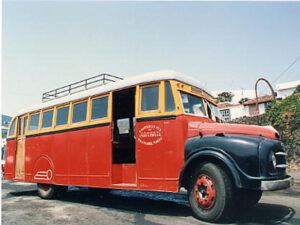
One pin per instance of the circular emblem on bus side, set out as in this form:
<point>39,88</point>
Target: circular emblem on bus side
<point>150,135</point>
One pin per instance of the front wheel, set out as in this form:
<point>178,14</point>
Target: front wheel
<point>210,193</point>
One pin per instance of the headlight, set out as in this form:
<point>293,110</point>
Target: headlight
<point>274,160</point>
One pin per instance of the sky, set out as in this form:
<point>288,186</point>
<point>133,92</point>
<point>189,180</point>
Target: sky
<point>224,45</point>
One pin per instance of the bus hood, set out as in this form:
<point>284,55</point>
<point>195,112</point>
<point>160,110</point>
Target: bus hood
<point>203,129</point>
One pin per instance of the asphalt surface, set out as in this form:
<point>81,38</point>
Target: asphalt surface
<point>21,205</point>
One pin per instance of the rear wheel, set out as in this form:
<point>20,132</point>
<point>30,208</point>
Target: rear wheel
<point>46,191</point>
<point>49,191</point>
<point>210,193</point>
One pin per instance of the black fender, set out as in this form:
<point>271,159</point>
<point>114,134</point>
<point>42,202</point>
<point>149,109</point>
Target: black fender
<point>214,155</point>
<point>245,158</point>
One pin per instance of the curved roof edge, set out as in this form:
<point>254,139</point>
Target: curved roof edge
<point>126,82</point>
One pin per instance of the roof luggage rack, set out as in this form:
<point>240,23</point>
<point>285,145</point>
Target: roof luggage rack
<point>82,85</point>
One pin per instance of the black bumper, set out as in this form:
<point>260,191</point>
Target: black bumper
<point>272,185</point>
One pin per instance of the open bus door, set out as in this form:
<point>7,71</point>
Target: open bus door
<point>124,170</point>
<point>20,149</point>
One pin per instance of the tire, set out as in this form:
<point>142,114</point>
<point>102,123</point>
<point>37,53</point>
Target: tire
<point>46,191</point>
<point>210,193</point>
<point>248,198</point>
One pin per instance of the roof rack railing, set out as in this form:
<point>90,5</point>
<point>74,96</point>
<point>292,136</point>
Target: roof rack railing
<point>82,85</point>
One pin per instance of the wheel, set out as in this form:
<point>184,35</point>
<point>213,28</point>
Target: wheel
<point>210,193</point>
<point>248,198</point>
<point>46,191</point>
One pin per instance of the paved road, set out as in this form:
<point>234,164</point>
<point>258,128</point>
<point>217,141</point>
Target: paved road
<point>21,205</point>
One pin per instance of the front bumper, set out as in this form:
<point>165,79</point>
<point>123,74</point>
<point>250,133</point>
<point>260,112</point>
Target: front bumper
<point>272,185</point>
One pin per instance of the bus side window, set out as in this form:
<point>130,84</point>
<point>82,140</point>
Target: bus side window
<point>99,107</point>
<point>169,98</point>
<point>62,115</point>
<point>79,112</point>
<point>12,128</point>
<point>150,98</point>
<point>47,119</point>
<point>34,121</point>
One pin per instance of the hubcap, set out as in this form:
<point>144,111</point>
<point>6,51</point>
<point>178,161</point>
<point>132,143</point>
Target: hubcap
<point>204,192</point>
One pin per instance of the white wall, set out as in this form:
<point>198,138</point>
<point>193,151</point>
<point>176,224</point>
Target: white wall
<point>286,89</point>
<point>237,111</point>
<point>285,93</point>
<point>261,108</point>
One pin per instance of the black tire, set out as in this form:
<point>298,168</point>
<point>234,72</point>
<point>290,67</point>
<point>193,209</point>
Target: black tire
<point>248,198</point>
<point>46,191</point>
<point>219,185</point>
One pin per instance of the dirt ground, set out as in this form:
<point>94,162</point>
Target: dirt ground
<point>21,205</point>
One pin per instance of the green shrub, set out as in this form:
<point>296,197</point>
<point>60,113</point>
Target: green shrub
<point>284,116</point>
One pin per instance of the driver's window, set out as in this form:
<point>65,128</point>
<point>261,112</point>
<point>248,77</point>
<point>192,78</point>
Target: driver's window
<point>193,104</point>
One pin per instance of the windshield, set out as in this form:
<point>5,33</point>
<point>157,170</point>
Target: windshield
<point>193,104</point>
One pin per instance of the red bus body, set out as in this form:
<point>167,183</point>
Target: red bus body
<point>172,146</point>
<point>83,157</point>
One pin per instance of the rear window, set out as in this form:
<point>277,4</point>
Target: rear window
<point>62,116</point>
<point>150,98</point>
<point>47,119</point>
<point>12,128</point>
<point>99,108</point>
<point>79,112</point>
<point>34,121</point>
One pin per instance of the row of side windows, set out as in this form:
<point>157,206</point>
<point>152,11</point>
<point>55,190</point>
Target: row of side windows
<point>99,110</point>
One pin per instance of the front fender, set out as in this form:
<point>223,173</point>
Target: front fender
<point>245,158</point>
<point>209,155</point>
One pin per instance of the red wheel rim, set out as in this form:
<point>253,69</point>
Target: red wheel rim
<point>204,192</point>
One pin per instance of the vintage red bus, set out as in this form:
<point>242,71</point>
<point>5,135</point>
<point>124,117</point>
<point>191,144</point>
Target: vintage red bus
<point>159,131</point>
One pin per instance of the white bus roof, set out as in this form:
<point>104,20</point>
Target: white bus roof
<point>126,82</point>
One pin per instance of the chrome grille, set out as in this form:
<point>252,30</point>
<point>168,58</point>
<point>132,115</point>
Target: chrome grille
<point>281,160</point>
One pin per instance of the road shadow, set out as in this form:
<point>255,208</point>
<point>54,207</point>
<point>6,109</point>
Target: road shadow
<point>265,213</point>
<point>167,204</point>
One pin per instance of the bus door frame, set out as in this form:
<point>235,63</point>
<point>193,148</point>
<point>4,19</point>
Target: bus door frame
<point>20,147</point>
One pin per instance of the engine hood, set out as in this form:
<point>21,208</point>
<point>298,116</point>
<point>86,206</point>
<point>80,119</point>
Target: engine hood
<point>202,129</point>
